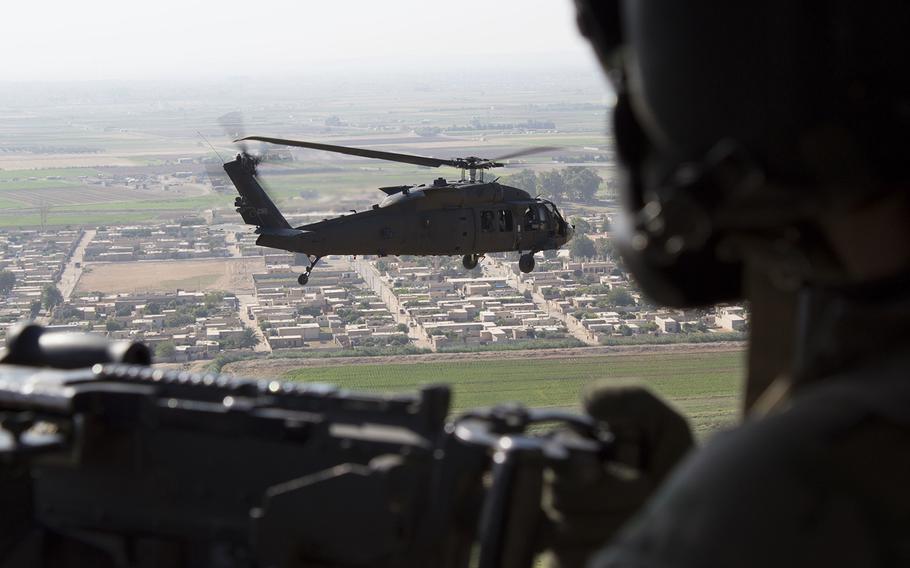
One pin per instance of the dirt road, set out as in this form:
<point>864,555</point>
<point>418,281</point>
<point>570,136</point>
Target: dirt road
<point>262,345</point>
<point>72,272</point>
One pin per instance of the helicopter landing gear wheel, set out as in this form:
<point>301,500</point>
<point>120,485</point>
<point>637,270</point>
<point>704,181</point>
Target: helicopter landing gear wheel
<point>526,262</point>
<point>305,277</point>
<point>470,261</point>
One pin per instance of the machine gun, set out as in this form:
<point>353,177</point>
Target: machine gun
<point>107,461</point>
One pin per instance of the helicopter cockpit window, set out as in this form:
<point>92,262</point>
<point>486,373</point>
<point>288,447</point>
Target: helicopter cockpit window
<point>486,221</point>
<point>505,220</point>
<point>556,219</point>
<point>537,217</point>
<point>551,209</point>
<point>543,216</point>
<point>529,221</point>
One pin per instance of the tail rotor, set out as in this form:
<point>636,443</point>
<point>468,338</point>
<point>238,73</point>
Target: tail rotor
<point>235,128</point>
<point>254,203</point>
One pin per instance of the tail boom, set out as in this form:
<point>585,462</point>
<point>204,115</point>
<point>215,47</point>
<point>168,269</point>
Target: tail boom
<point>253,204</point>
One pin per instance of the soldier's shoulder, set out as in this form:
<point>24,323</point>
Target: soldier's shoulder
<point>783,490</point>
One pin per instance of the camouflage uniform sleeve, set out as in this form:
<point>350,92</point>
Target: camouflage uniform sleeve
<point>767,494</point>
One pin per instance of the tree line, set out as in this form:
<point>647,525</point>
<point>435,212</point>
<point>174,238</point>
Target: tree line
<point>575,183</point>
<point>582,246</point>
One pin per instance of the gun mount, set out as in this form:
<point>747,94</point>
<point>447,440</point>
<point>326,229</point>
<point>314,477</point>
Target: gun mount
<point>126,465</point>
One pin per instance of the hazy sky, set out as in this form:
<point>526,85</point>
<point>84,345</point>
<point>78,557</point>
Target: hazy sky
<point>123,39</point>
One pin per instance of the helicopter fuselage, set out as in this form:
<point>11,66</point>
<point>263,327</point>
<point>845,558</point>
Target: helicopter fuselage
<point>461,218</point>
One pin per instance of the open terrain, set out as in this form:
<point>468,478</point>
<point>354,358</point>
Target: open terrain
<point>231,274</point>
<point>109,153</point>
<point>703,384</point>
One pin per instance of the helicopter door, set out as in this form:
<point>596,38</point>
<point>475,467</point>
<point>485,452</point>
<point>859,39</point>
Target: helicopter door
<point>464,231</point>
<point>497,230</point>
<point>446,231</point>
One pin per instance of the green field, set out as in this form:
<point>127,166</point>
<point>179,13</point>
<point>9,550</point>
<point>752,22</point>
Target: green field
<point>10,220</point>
<point>704,386</point>
<point>175,204</point>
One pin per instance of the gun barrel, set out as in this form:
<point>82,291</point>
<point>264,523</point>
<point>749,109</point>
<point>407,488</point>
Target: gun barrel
<point>32,345</point>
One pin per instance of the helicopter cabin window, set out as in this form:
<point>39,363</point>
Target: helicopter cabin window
<point>505,220</point>
<point>486,221</point>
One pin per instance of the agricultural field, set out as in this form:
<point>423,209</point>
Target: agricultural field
<point>165,276</point>
<point>704,386</point>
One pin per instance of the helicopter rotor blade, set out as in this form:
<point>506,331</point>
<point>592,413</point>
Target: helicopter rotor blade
<point>471,163</point>
<point>527,152</point>
<point>362,152</point>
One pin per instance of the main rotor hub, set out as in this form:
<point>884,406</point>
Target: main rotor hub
<point>472,163</point>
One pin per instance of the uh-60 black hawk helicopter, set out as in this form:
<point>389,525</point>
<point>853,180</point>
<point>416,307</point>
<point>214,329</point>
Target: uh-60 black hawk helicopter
<point>469,217</point>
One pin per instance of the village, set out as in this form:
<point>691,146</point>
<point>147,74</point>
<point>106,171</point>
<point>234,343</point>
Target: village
<point>385,305</point>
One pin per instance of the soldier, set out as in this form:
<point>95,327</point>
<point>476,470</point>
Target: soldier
<point>767,158</point>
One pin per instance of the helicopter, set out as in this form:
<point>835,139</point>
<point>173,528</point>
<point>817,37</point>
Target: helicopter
<point>468,217</point>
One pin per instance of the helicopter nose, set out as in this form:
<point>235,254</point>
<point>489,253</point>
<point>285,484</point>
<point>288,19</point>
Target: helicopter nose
<point>570,232</point>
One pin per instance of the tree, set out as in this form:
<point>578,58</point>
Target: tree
<point>605,248</point>
<point>525,179</point>
<point>648,327</point>
<point>7,281</point>
<point>34,309</point>
<point>309,311</point>
<point>348,315</point>
<point>66,312</point>
<point>550,254</point>
<point>582,227</point>
<point>51,297</point>
<point>178,319</point>
<point>113,325</point>
<point>581,183</point>
<point>247,338</point>
<point>165,349</point>
<point>212,299</point>
<point>582,247</point>
<point>552,184</point>
<point>620,297</point>
<point>403,328</point>
<point>152,308</point>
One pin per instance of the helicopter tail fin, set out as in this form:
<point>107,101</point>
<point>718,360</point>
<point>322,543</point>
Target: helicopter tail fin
<point>253,204</point>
